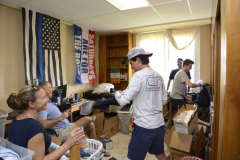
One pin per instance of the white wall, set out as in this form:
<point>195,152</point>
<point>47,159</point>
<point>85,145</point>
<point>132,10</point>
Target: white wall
<point>205,53</point>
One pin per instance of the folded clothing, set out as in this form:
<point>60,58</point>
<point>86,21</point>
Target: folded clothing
<point>8,154</point>
<point>184,117</point>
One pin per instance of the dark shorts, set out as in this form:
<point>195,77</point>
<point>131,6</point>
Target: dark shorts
<point>146,140</point>
<point>177,102</point>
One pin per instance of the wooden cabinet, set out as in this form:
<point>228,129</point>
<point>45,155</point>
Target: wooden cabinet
<point>113,48</point>
<point>225,141</point>
<point>167,113</point>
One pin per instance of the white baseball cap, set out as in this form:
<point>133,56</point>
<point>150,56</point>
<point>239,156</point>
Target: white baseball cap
<point>137,51</point>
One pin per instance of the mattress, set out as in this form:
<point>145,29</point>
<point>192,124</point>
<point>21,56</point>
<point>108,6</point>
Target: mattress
<point>95,96</point>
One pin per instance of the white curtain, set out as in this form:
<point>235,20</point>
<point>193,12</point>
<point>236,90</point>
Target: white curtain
<point>191,52</point>
<point>181,38</point>
<point>155,43</point>
<point>165,55</point>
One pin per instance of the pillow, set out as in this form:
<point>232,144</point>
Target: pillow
<point>103,88</point>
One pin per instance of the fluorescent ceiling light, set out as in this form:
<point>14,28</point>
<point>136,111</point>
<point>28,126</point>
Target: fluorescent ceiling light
<point>128,4</point>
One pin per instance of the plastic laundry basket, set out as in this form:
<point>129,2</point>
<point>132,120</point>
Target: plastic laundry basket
<point>94,147</point>
<point>190,158</point>
<point>3,116</point>
<point>124,119</point>
<point>24,153</point>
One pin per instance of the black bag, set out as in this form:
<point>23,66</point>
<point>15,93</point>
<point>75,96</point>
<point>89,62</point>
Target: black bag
<point>64,106</point>
<point>203,100</point>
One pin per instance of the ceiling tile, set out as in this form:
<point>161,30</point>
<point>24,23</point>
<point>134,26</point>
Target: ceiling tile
<point>201,9</point>
<point>60,8</point>
<point>145,16</point>
<point>22,1</point>
<point>14,2</point>
<point>44,12</point>
<point>154,2</point>
<point>99,15</point>
<point>174,12</point>
<point>90,28</point>
<point>120,20</point>
<point>93,7</point>
<point>95,22</point>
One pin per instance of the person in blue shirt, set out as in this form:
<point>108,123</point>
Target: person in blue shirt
<point>58,121</point>
<point>174,71</point>
<point>27,132</point>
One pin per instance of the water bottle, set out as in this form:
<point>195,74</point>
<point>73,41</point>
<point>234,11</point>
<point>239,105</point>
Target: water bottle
<point>76,97</point>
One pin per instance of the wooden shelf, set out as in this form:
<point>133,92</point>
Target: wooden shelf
<point>168,126</point>
<point>112,49</point>
<point>118,45</point>
<point>167,114</point>
<point>117,57</point>
<point>119,67</point>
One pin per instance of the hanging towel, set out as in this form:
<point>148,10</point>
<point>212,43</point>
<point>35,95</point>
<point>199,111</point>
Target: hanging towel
<point>115,75</point>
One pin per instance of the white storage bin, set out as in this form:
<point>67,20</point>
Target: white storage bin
<point>24,153</point>
<point>86,108</point>
<point>124,118</point>
<point>112,109</point>
<point>3,116</point>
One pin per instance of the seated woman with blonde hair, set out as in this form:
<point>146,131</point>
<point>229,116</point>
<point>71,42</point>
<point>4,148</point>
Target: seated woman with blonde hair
<point>27,132</point>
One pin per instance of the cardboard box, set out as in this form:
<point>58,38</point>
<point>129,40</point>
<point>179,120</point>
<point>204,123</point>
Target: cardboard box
<point>199,145</point>
<point>192,125</point>
<point>187,143</point>
<point>182,142</point>
<point>109,127</point>
<point>112,109</point>
<point>177,155</point>
<point>107,142</point>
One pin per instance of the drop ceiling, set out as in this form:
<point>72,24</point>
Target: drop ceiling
<point>101,16</point>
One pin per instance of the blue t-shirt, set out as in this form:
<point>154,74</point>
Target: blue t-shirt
<point>173,73</point>
<point>21,131</point>
<point>53,112</point>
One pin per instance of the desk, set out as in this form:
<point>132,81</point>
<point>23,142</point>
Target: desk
<point>78,107</point>
<point>75,108</point>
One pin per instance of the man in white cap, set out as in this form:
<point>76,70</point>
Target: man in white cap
<point>148,93</point>
<point>174,71</point>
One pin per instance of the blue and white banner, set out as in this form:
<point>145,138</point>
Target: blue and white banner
<point>84,40</point>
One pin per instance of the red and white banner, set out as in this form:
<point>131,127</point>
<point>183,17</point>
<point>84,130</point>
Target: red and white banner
<point>85,55</point>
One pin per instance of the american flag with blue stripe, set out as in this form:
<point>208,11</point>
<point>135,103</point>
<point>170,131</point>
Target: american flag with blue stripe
<point>42,54</point>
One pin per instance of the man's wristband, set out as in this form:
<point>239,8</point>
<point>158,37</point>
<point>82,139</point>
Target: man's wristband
<point>200,85</point>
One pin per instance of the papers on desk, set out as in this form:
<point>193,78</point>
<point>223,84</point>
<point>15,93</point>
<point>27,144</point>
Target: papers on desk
<point>78,103</point>
<point>75,104</point>
<point>84,100</point>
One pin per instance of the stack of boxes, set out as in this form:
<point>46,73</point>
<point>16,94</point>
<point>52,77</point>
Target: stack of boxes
<point>187,140</point>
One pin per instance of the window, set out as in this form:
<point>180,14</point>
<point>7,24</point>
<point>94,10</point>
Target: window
<point>174,54</point>
<point>165,56</point>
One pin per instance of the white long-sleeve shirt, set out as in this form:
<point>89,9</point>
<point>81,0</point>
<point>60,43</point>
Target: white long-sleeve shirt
<point>148,93</point>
